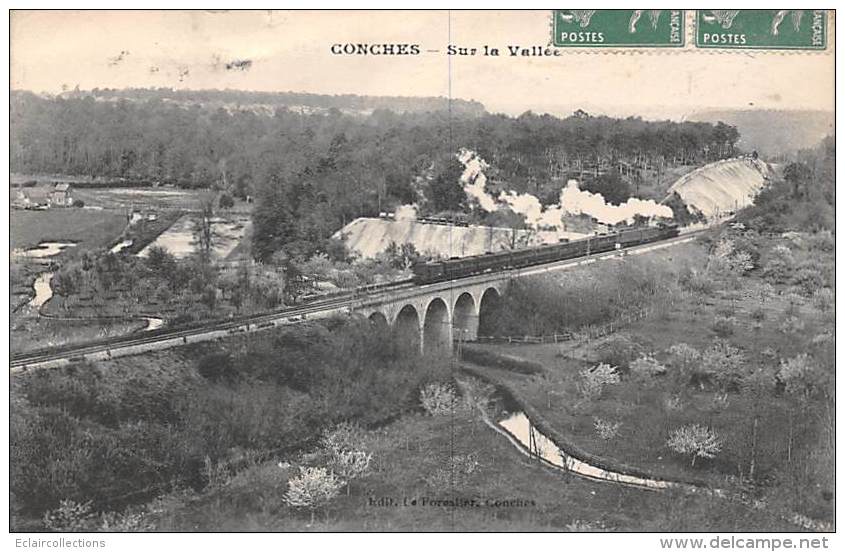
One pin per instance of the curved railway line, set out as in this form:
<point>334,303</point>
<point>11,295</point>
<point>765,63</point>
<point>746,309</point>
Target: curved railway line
<point>165,338</point>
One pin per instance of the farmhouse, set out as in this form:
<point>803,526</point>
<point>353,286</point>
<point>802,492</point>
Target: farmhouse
<point>61,195</point>
<point>33,198</point>
<point>43,198</point>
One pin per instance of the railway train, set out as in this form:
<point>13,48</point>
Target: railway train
<point>439,271</point>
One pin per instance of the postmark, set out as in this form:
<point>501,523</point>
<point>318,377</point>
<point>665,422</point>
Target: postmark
<point>762,29</point>
<point>618,28</point>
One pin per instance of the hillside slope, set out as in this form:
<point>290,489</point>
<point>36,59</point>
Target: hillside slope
<point>724,186</point>
<point>370,236</point>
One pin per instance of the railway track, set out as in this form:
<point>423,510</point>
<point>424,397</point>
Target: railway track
<point>319,308</point>
<point>165,338</point>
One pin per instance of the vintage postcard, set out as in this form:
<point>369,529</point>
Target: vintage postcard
<point>422,271</point>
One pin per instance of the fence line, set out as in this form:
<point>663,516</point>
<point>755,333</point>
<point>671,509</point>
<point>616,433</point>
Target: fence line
<point>584,334</point>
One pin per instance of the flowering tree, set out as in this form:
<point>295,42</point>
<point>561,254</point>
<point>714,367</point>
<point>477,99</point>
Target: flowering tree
<point>646,368</point>
<point>351,464</point>
<point>695,440</point>
<point>344,436</point>
<point>313,488</point>
<point>606,429</point>
<point>594,380</point>
<point>801,376</point>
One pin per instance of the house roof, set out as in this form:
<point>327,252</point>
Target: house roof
<point>62,187</point>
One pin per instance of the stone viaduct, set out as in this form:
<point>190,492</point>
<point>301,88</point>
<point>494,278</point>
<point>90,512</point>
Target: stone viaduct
<point>432,317</point>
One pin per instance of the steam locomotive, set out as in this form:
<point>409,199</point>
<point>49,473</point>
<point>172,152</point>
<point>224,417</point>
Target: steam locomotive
<point>438,271</point>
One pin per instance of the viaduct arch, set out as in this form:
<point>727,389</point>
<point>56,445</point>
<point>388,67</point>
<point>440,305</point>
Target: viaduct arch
<point>432,321</point>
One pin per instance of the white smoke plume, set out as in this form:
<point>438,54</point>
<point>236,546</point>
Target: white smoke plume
<point>474,180</point>
<point>577,201</point>
<point>573,200</point>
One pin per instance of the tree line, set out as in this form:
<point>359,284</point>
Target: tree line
<point>313,171</point>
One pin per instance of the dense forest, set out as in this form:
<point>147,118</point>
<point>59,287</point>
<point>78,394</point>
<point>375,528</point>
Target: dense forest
<point>246,98</point>
<point>312,171</point>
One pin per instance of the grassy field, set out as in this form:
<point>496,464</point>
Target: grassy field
<point>88,228</point>
<point>505,491</point>
<point>788,447</point>
<point>33,332</point>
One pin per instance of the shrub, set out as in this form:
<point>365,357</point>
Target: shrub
<point>808,278</point>
<point>801,376</point>
<point>697,282</point>
<point>821,241</point>
<point>125,522</point>
<point>720,402</point>
<point>780,266</point>
<point>438,399</point>
<point>722,363</point>
<point>70,516</point>
<point>593,380</point>
<point>824,299</point>
<point>345,436</point>
<point>684,357</point>
<point>619,350</point>
<point>350,464</point>
<point>723,326</point>
<point>226,201</point>
<point>646,368</point>
<point>695,440</point>
<point>792,325</point>
<point>605,429</point>
<point>674,403</point>
<point>758,314</point>
<point>313,488</point>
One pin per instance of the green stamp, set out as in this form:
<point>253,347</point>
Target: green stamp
<point>762,29</point>
<point>617,28</point>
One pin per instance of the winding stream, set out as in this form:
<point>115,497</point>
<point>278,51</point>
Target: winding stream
<point>43,291</point>
<point>519,430</point>
<point>536,444</point>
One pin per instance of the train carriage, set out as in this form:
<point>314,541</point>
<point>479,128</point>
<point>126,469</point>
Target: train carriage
<point>452,269</point>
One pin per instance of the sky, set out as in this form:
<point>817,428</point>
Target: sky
<point>290,51</point>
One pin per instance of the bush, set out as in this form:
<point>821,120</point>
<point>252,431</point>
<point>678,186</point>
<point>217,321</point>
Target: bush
<point>824,299</point>
<point>801,376</point>
<point>593,380</point>
<point>684,358</point>
<point>808,278</point>
<point>721,363</point>
<point>781,265</point>
<point>723,326</point>
<point>821,241</point>
<point>646,368</point>
<point>606,430</point>
<point>791,325</point>
<point>438,399</point>
<point>619,350</point>
<point>697,282</point>
<point>350,464</point>
<point>344,436</point>
<point>226,201</point>
<point>696,441</point>
<point>313,488</point>
<point>69,517</point>
<point>674,403</point>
